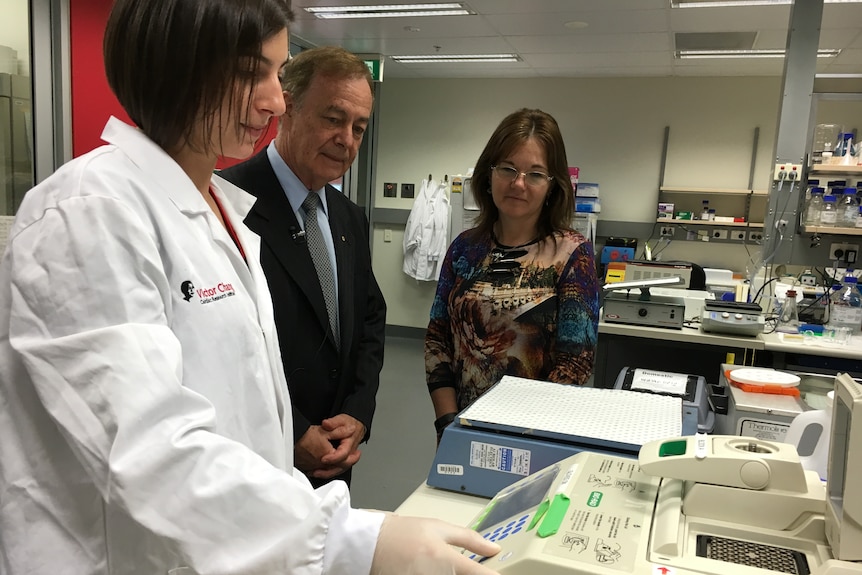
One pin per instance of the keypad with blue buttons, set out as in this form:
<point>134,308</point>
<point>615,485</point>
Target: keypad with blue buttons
<point>502,532</point>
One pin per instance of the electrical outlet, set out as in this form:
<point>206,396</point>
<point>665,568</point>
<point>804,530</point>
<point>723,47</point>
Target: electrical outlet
<point>738,235</point>
<point>843,252</point>
<point>666,231</point>
<point>718,234</point>
<point>387,235</point>
<point>755,236</point>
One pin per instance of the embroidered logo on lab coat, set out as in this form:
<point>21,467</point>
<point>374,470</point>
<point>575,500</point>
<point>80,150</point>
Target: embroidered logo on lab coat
<point>188,290</point>
<point>215,293</point>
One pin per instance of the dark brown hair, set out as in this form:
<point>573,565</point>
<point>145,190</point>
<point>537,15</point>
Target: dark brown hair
<point>330,61</point>
<point>171,63</point>
<point>514,130</point>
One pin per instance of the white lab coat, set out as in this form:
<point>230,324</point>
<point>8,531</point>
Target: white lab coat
<point>426,236</point>
<point>143,432</point>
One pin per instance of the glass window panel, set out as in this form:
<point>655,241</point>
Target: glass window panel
<point>16,117</point>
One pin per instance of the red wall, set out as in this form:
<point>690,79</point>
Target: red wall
<point>92,99</point>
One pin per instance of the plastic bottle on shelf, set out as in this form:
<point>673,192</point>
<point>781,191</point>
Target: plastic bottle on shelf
<point>829,212</point>
<point>825,141</point>
<point>811,432</point>
<point>808,187</point>
<point>846,304</point>
<point>704,212</point>
<point>849,208</point>
<point>711,214</point>
<point>846,152</point>
<point>814,207</point>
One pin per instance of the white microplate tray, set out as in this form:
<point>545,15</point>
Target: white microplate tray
<point>620,417</point>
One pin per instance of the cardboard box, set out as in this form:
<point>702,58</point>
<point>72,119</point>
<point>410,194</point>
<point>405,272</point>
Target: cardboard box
<point>588,190</point>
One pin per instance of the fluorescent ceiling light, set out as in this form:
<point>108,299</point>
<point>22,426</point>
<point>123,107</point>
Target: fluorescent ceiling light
<point>390,10</point>
<point>732,3</point>
<point>450,58</point>
<point>687,54</point>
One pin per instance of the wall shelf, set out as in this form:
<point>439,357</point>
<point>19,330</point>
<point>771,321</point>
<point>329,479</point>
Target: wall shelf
<point>717,191</point>
<point>832,230</point>
<point>714,224</point>
<point>725,201</point>
<point>835,169</point>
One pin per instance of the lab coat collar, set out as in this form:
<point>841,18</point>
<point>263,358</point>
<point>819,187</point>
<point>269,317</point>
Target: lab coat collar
<point>156,163</point>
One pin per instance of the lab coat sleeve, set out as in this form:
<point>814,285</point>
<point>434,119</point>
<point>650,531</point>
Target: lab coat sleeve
<point>89,317</point>
<point>577,325</point>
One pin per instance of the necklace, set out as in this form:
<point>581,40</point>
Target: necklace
<point>503,246</point>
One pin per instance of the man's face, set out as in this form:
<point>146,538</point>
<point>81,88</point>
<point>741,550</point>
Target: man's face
<point>320,136</point>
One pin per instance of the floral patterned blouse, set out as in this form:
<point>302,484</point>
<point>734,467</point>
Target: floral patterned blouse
<point>529,311</point>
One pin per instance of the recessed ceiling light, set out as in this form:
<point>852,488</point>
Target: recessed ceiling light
<point>390,10</point>
<point>734,3</point>
<point>716,54</point>
<point>576,25</point>
<point>456,58</point>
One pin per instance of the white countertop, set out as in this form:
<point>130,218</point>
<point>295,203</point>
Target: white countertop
<point>457,508</point>
<point>764,341</point>
<point>775,342</point>
<point>687,334</point>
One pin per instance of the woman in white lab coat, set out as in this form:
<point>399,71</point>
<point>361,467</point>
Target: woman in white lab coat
<point>144,419</point>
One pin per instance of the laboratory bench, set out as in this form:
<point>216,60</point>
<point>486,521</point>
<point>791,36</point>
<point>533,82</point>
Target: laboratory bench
<point>457,508</point>
<point>689,350</point>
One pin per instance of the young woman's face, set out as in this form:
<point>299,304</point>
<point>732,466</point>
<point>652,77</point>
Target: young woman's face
<point>260,99</point>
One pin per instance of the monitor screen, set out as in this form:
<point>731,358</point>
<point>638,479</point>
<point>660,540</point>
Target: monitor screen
<point>525,496</point>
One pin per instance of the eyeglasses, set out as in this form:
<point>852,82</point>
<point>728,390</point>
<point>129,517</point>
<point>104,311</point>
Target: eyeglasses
<point>532,179</point>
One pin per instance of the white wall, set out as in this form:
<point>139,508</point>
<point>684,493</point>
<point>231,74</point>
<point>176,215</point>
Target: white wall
<point>15,31</point>
<point>613,130</point>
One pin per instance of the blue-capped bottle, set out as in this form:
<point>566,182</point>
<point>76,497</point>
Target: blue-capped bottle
<point>829,213</point>
<point>846,304</point>
<point>814,206</point>
<point>849,208</point>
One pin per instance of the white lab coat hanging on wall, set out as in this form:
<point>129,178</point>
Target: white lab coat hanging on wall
<point>426,236</point>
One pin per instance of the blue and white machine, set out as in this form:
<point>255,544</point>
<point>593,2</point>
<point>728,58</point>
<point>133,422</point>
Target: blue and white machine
<point>520,426</point>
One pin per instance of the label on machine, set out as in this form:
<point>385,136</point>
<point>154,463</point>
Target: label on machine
<point>499,458</point>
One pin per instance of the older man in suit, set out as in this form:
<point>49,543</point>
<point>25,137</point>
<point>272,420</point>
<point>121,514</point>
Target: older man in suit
<point>329,310</point>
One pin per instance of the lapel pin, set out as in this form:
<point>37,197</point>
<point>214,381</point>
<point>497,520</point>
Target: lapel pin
<point>343,239</point>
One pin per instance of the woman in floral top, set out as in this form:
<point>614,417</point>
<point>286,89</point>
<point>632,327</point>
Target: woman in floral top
<point>518,293</point>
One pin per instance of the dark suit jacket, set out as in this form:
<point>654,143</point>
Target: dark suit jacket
<point>322,380</point>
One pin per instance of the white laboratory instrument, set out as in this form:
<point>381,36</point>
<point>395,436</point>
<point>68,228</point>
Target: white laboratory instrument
<point>733,318</point>
<point>647,309</point>
<point>765,416</point>
<point>702,505</point>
